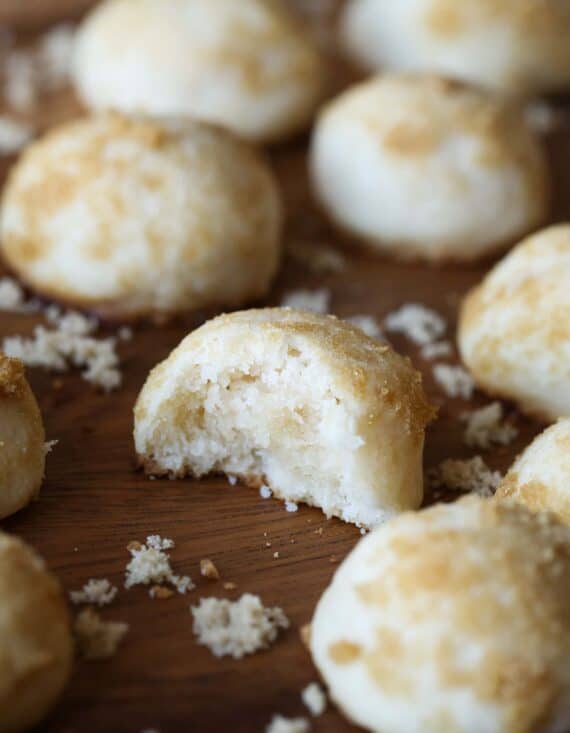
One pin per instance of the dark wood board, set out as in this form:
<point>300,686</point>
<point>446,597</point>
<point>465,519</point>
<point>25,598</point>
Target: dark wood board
<point>93,501</point>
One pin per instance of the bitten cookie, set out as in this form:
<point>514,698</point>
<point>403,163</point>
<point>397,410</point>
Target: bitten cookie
<point>515,46</point>
<point>514,329</point>
<point>244,64</point>
<point>540,477</point>
<point>455,618</point>
<point>137,218</point>
<point>22,439</point>
<point>305,403</point>
<point>420,167</point>
<point>36,648</point>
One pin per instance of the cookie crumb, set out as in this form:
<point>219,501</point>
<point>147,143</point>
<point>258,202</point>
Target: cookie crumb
<point>314,698</point>
<point>279,724</point>
<point>454,380</point>
<point>485,427</point>
<point>208,569</point>
<point>98,639</point>
<point>97,591</point>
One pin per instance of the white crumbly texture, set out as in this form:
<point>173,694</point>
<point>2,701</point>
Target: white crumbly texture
<point>71,344</point>
<point>437,350</point>
<point>368,324</point>
<point>97,639</point>
<point>150,563</point>
<point>280,724</point>
<point>13,135</point>
<point>514,330</point>
<point>486,427</point>
<point>454,380</point>
<point>421,325</point>
<point>236,628</point>
<point>291,506</point>
<point>315,301</point>
<point>420,168</point>
<point>13,298</point>
<point>262,395</point>
<point>314,698</point>
<point>144,217</point>
<point>248,65</point>
<point>540,477</point>
<point>97,591</point>
<point>470,476</point>
<point>427,614</point>
<point>265,492</point>
<point>512,46</point>
<point>31,73</point>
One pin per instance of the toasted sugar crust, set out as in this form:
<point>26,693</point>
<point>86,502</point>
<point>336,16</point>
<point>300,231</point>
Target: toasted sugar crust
<point>113,170</point>
<point>435,564</point>
<point>370,368</point>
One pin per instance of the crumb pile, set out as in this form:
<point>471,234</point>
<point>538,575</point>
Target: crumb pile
<point>470,476</point>
<point>237,628</point>
<point>98,639</point>
<point>486,427</point>
<point>151,564</point>
<point>70,343</point>
<point>97,591</point>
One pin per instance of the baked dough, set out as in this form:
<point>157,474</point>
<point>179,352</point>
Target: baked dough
<point>455,619</point>
<point>305,403</point>
<point>540,477</point>
<point>36,648</point>
<point>135,218</point>
<point>425,168</point>
<point>22,439</point>
<point>244,64</point>
<point>514,330</point>
<point>515,46</point>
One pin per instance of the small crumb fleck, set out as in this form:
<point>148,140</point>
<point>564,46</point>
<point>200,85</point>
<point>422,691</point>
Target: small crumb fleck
<point>314,698</point>
<point>97,639</point>
<point>232,480</point>
<point>265,492</point>
<point>315,301</point>
<point>279,724</point>
<point>229,585</point>
<point>367,324</point>
<point>454,380</point>
<point>437,350</point>
<point>276,555</point>
<point>291,506</point>
<point>161,592</point>
<point>99,592</point>
<point>208,569</point>
<point>418,323</point>
<point>305,634</point>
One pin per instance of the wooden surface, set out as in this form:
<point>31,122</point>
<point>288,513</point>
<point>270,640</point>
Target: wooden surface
<point>93,502</point>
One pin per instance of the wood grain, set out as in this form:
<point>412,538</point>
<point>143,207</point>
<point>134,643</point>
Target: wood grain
<point>93,501</point>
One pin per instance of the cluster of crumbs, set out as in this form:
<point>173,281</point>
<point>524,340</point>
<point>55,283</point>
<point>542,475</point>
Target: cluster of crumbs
<point>314,698</point>
<point>469,476</point>
<point>97,639</point>
<point>70,343</point>
<point>419,324</point>
<point>320,260</point>
<point>33,72</point>
<point>236,628</point>
<point>97,591</point>
<point>150,564</point>
<point>279,724</point>
<point>14,135</point>
<point>454,380</point>
<point>486,427</point>
<point>315,301</point>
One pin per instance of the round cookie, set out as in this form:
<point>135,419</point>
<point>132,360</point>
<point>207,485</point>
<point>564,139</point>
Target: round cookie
<point>515,46</point>
<point>22,439</point>
<point>514,329</point>
<point>306,404</point>
<point>540,477</point>
<point>455,618</point>
<point>36,647</point>
<point>135,218</point>
<point>420,167</point>
<point>244,64</point>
